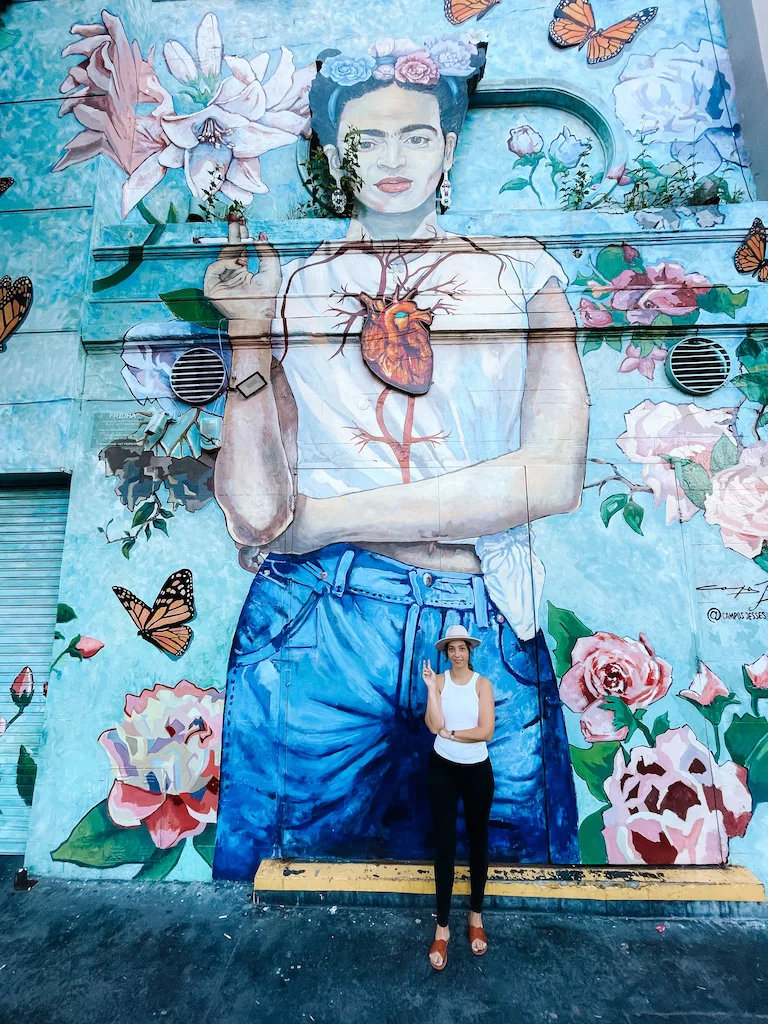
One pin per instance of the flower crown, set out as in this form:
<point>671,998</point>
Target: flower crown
<point>401,60</point>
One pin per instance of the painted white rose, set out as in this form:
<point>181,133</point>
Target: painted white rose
<point>678,93</point>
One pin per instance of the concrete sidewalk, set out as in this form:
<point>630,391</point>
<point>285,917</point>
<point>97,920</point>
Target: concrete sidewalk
<point>135,953</point>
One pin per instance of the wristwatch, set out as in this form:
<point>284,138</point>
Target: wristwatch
<point>453,734</point>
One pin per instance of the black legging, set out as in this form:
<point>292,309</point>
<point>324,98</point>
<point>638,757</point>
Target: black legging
<point>447,781</point>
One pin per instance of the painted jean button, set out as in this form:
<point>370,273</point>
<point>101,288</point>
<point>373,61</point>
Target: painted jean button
<point>323,575</point>
<point>499,617</point>
<point>427,577</point>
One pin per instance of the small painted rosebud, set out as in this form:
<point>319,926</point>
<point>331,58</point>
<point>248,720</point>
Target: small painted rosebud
<point>88,646</point>
<point>23,687</point>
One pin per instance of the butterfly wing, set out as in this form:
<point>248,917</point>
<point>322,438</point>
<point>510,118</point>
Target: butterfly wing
<point>175,603</point>
<point>5,184</point>
<point>173,640</point>
<point>611,41</point>
<point>135,607</point>
<point>572,24</point>
<point>15,302</point>
<point>458,11</point>
<point>750,255</point>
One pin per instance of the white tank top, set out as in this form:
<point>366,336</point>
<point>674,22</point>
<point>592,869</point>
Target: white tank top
<point>461,710</point>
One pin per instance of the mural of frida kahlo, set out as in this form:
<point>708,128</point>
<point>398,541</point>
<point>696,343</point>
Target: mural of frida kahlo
<point>425,404</point>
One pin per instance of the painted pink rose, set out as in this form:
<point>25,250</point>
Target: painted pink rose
<point>593,315</point>
<point>644,364</point>
<point>685,431</point>
<point>24,683</point>
<point>384,72</point>
<point>597,724</point>
<point>738,503</point>
<point>417,69</point>
<point>758,672</point>
<point>88,646</point>
<point>604,665</point>
<point>673,804</point>
<point>663,288</point>
<point>705,687</point>
<point>166,754</point>
<point>524,141</point>
<point>618,175</point>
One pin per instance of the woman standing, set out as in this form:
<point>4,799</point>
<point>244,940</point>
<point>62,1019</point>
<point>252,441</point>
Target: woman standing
<point>460,713</point>
<point>379,505</point>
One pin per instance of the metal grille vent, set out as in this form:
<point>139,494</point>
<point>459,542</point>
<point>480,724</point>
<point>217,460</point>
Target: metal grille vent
<point>698,366</point>
<point>198,376</point>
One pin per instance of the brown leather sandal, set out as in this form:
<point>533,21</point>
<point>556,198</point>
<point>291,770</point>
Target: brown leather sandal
<point>477,933</point>
<point>439,946</point>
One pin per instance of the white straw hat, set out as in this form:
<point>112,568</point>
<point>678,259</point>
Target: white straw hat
<point>456,633</point>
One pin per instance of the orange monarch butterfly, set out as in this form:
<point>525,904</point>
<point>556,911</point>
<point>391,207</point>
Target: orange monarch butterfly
<point>574,25</point>
<point>750,256</point>
<point>162,624</point>
<point>5,184</point>
<point>457,11</point>
<point>15,302</point>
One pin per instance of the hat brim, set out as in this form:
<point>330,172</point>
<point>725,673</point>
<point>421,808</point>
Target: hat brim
<point>443,642</point>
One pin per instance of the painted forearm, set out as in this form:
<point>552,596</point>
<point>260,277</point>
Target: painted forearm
<point>252,480</point>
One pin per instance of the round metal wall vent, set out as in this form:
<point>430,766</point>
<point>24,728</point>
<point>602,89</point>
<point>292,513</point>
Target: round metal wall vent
<point>698,366</point>
<point>198,376</point>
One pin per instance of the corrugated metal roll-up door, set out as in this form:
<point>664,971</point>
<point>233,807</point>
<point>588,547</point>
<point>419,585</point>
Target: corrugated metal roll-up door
<point>32,526</point>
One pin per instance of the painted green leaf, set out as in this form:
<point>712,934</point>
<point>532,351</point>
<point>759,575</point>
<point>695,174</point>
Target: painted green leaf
<point>662,320</point>
<point>591,842</point>
<point>623,717</point>
<point>64,613</point>
<point>611,506</point>
<point>191,305</point>
<point>611,262</point>
<point>720,299</point>
<point>591,346</point>
<point>614,343</point>
<point>594,764</point>
<point>513,185</point>
<point>26,775</point>
<point>565,629</point>
<point>160,864</point>
<point>142,513</point>
<point>714,712</point>
<point>763,419</point>
<point>743,735</point>
<point>126,547</point>
<point>645,344</point>
<point>724,455</point>
<point>205,843</point>
<point>693,479</point>
<point>166,514</point>
<point>633,516</point>
<point>754,385</point>
<point>660,725</point>
<point>752,353</point>
<point>97,842</point>
<point>58,636</point>
<point>160,524</point>
<point>762,558</point>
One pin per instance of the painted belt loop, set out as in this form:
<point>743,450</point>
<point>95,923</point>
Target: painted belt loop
<point>342,571</point>
<point>409,644</point>
<point>415,580</point>
<point>481,602</point>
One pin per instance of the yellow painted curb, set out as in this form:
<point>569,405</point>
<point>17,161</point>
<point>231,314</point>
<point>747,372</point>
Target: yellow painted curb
<point>541,882</point>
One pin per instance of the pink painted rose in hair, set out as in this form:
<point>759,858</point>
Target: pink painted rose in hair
<point>417,69</point>
<point>685,431</point>
<point>663,288</point>
<point>166,755</point>
<point>758,673</point>
<point>738,503</point>
<point>605,665</point>
<point>673,804</point>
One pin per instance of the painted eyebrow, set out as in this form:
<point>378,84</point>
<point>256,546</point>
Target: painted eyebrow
<point>418,127</point>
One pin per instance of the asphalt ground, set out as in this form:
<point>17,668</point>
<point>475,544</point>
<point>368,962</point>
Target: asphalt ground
<point>135,953</point>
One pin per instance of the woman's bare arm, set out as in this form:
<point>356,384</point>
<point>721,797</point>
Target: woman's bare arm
<point>544,476</point>
<point>252,479</point>
<point>434,717</point>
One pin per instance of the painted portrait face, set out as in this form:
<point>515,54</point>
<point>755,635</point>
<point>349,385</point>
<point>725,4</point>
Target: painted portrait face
<point>403,152</point>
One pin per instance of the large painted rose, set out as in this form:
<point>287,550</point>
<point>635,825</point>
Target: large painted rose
<point>604,665</point>
<point>662,288</point>
<point>738,503</point>
<point>677,93</point>
<point>105,89</point>
<point>166,755</point>
<point>248,116</point>
<point>673,804</point>
<point>683,431</point>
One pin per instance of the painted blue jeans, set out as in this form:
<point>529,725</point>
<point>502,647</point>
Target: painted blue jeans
<point>325,748</point>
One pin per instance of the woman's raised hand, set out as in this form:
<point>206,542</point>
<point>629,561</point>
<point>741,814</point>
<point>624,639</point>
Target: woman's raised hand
<point>238,293</point>
<point>427,674</point>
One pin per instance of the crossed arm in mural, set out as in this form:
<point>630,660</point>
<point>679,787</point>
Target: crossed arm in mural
<point>254,478</point>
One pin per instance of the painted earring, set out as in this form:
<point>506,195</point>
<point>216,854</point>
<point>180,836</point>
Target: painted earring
<point>445,193</point>
<point>339,200</point>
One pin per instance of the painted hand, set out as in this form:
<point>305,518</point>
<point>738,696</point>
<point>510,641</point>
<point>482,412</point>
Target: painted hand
<point>427,674</point>
<point>238,293</point>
